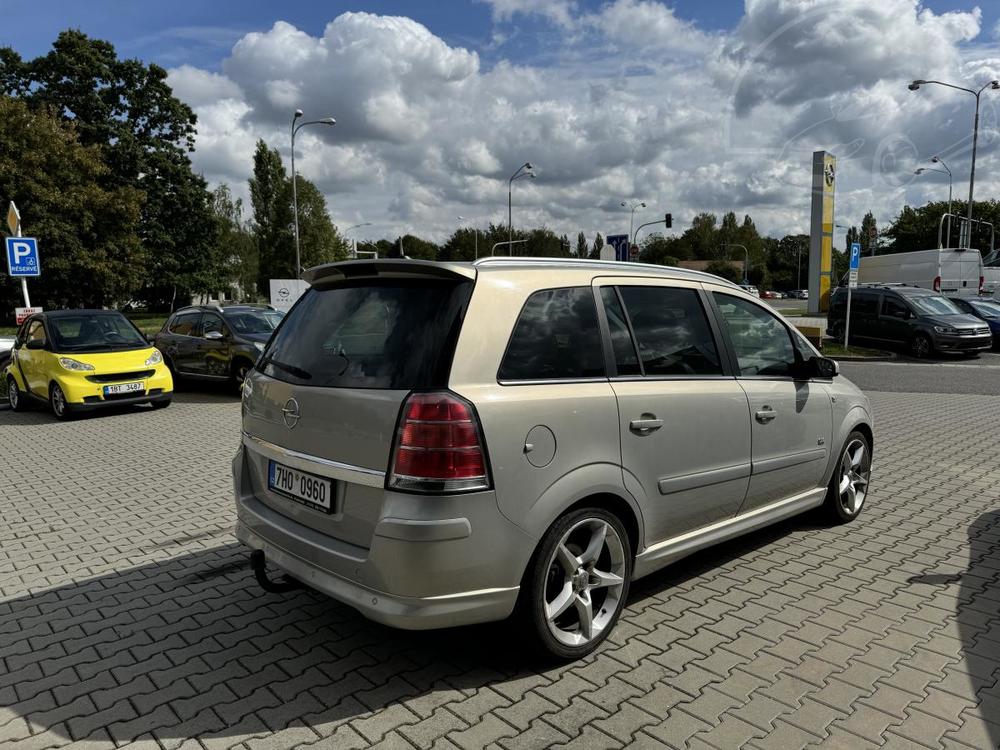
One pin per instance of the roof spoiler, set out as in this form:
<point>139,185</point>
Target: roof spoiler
<point>389,268</point>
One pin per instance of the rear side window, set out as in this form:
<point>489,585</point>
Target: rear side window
<point>671,330</point>
<point>185,324</point>
<point>389,334</point>
<point>556,337</point>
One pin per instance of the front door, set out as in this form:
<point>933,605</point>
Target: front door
<point>684,421</point>
<point>181,341</point>
<point>32,361</point>
<point>213,345</point>
<point>792,419</point>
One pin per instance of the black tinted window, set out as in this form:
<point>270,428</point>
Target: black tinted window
<point>762,343</point>
<point>893,308</point>
<point>211,323</point>
<point>864,304</point>
<point>556,336</point>
<point>621,340</point>
<point>185,324</point>
<point>671,330</point>
<point>389,334</point>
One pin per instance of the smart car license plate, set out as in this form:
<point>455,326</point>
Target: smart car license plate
<point>310,489</point>
<point>119,388</point>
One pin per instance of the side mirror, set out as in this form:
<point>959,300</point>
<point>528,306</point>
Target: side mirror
<point>214,336</point>
<point>35,344</point>
<point>822,367</point>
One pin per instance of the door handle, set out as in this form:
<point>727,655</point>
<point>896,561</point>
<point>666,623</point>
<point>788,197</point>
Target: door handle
<point>645,425</point>
<point>766,414</point>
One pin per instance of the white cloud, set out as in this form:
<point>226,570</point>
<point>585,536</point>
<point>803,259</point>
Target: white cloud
<point>635,102</point>
<point>560,12</point>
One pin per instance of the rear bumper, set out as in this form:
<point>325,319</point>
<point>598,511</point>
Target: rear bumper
<point>432,562</point>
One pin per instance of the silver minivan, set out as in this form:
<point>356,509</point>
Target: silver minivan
<point>437,444</point>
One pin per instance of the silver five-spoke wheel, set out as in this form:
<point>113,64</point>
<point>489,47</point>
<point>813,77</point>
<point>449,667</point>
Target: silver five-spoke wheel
<point>585,582</point>
<point>855,473</point>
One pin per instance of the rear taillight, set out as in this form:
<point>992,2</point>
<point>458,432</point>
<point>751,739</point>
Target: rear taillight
<point>937,283</point>
<point>439,446</point>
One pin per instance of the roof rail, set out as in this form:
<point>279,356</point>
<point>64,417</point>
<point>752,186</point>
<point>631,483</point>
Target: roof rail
<point>609,264</point>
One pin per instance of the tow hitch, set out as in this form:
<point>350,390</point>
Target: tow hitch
<point>258,564</point>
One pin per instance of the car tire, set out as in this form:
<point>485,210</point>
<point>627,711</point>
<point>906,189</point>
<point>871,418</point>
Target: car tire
<point>836,332</point>
<point>577,583</point>
<point>848,490</point>
<point>57,403</point>
<point>921,346</point>
<point>241,368</point>
<point>18,401</point>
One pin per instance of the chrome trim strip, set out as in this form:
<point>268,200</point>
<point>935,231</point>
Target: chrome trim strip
<point>335,469</point>
<point>683,482</point>
<point>469,594</point>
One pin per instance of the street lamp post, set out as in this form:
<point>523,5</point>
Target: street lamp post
<point>295,192</point>
<point>525,170</point>
<point>633,206</point>
<point>995,85</point>
<point>947,171</point>
<point>355,226</point>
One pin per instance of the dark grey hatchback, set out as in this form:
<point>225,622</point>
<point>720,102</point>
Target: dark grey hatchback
<point>920,319</point>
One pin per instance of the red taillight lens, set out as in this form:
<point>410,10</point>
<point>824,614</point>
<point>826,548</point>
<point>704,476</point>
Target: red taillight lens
<point>937,283</point>
<point>438,446</point>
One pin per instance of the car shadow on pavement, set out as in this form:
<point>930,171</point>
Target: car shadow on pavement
<point>978,616</point>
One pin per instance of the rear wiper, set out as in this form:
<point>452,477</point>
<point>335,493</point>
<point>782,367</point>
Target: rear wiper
<point>290,369</point>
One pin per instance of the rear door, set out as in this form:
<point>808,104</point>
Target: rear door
<point>961,271</point>
<point>791,418</point>
<point>179,342</point>
<point>326,394</point>
<point>684,420</point>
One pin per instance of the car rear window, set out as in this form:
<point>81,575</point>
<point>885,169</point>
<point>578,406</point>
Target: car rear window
<point>556,337</point>
<point>388,334</point>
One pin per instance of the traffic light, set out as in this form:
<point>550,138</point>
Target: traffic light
<point>668,220</point>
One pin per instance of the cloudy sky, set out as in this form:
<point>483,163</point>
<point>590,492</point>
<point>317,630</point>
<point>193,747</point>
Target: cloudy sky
<point>693,105</point>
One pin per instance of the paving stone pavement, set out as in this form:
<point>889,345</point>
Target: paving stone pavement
<point>128,616</point>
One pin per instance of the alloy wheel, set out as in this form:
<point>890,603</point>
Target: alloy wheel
<point>585,582</point>
<point>58,402</point>
<point>855,474</point>
<point>921,346</point>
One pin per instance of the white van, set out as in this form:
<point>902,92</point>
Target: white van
<point>949,271</point>
<point>991,273</point>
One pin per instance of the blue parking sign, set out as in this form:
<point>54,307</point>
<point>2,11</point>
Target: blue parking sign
<point>855,255</point>
<point>22,257</point>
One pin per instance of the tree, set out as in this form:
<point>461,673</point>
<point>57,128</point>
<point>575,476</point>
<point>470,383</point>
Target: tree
<point>319,240</point>
<point>595,251</point>
<point>236,243</point>
<point>917,228</point>
<point>270,201</point>
<point>88,232</point>
<point>726,270</point>
<point>868,228</point>
<point>851,236</point>
<point>127,109</point>
<point>788,261</point>
<point>582,250</point>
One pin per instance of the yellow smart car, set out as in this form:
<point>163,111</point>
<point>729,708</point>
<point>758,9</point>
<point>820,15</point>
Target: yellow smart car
<point>81,360</point>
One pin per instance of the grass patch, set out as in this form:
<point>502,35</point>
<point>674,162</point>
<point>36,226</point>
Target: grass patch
<point>834,349</point>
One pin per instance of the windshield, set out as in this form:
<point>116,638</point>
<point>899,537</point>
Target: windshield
<point>391,334</point>
<point>934,305</point>
<point>986,309</point>
<point>252,321</point>
<point>94,332</point>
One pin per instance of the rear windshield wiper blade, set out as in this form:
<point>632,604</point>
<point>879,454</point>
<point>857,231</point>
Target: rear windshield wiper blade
<point>290,369</point>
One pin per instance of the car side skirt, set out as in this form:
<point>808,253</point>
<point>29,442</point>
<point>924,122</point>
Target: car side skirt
<point>663,553</point>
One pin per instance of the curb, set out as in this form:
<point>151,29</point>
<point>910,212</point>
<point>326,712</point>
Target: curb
<point>888,357</point>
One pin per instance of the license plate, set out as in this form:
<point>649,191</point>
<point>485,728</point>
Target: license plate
<point>118,388</point>
<point>314,491</point>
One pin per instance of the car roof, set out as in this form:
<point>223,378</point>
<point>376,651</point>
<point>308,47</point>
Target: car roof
<point>573,268</point>
<point>81,311</point>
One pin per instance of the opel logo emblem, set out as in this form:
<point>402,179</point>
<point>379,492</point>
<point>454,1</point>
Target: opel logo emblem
<point>290,413</point>
<point>830,173</point>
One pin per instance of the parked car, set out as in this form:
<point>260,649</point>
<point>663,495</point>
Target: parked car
<point>917,318</point>
<point>986,310</point>
<point>208,342</point>
<point>750,289</point>
<point>768,294</point>
<point>81,360</point>
<point>437,444</point>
